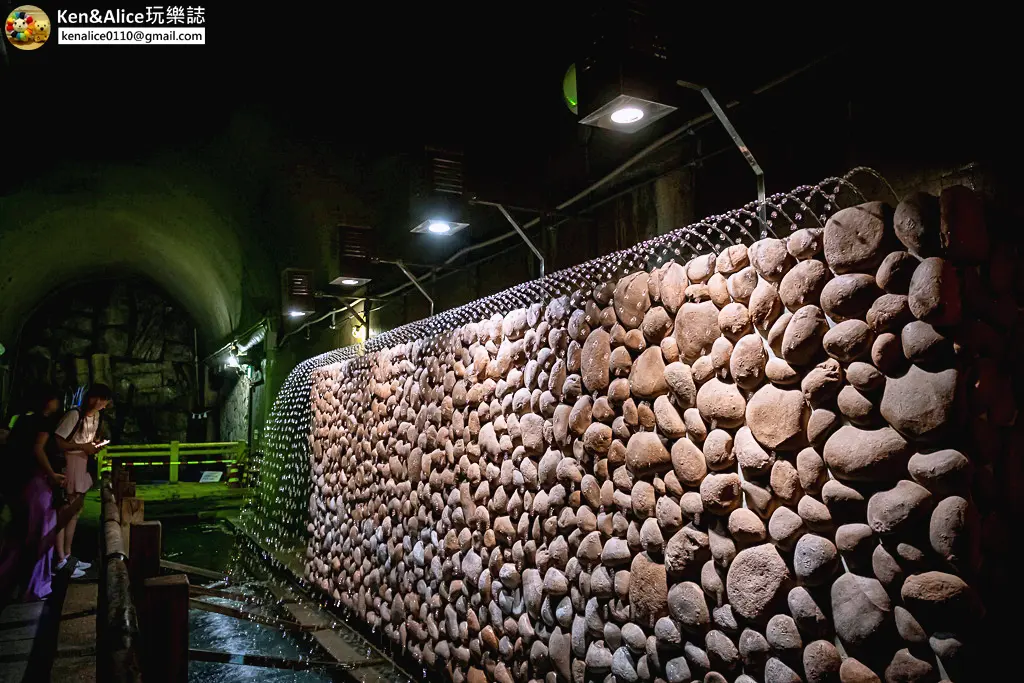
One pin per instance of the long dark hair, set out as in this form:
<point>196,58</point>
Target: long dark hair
<point>100,391</point>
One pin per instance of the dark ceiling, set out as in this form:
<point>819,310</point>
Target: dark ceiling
<point>384,81</point>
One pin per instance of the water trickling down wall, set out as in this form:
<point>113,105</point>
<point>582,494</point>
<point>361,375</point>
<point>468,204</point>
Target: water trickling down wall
<point>777,462</point>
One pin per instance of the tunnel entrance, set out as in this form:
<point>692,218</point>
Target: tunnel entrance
<point>124,332</point>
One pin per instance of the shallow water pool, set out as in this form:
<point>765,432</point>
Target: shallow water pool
<point>213,546</point>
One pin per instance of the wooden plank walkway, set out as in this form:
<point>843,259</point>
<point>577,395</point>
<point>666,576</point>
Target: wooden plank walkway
<point>29,632</point>
<point>54,638</point>
<point>76,642</point>
<point>19,625</point>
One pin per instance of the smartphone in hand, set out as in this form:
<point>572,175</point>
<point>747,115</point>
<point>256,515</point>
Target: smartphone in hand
<point>101,444</point>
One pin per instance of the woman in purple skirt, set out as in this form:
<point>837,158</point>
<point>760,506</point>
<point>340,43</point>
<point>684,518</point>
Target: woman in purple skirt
<point>27,555</point>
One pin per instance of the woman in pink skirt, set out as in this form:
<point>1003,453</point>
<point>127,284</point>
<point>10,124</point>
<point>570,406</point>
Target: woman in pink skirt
<point>27,556</point>
<point>77,436</point>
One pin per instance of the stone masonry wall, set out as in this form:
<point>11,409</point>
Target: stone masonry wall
<point>792,462</point>
<point>124,333</point>
<point>234,412</point>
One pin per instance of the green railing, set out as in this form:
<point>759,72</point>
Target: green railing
<point>171,455</point>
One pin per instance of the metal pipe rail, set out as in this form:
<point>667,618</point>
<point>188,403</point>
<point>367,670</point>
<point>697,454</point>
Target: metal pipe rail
<point>171,455</point>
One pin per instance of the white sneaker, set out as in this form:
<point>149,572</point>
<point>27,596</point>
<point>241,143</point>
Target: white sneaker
<point>60,565</point>
<point>84,565</point>
<point>77,574</point>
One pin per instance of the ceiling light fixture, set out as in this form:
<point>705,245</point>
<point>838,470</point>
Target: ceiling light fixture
<point>626,64</point>
<point>627,115</point>
<point>232,360</point>
<point>350,281</point>
<point>296,314</point>
<point>435,226</point>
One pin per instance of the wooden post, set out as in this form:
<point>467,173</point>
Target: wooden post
<point>132,512</point>
<point>125,489</point>
<point>174,462</point>
<point>163,624</point>
<point>121,484</point>
<point>144,561</point>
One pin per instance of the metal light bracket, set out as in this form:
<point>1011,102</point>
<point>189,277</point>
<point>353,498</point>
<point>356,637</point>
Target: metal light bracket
<point>351,310</point>
<point>412,278</point>
<point>734,134</point>
<point>529,243</point>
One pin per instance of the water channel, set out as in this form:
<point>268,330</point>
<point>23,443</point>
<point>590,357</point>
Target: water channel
<point>218,546</point>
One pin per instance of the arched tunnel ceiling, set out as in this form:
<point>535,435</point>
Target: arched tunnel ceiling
<point>91,223</point>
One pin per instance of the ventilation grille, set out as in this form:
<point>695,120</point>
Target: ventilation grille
<point>300,283</point>
<point>352,242</point>
<point>445,171</point>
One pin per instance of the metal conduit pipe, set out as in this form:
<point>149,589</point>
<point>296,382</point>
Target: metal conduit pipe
<point>252,336</point>
<point>306,324</point>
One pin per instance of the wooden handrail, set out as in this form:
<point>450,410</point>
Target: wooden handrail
<point>189,569</point>
<point>117,627</point>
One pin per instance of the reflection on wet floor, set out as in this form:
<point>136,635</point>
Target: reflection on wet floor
<point>213,546</point>
<point>212,631</point>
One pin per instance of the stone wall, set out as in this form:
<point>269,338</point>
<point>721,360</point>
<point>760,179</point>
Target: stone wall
<point>124,333</point>
<point>790,462</point>
<point>234,412</point>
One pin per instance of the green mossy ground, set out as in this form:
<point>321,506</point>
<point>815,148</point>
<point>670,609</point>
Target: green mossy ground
<point>181,500</point>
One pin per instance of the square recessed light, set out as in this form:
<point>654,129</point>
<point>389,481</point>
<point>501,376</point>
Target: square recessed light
<point>346,281</point>
<point>439,227</point>
<point>627,114</point>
